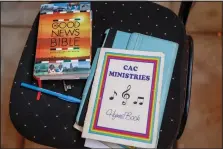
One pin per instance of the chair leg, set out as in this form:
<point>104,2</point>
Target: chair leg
<point>188,89</point>
<point>174,146</point>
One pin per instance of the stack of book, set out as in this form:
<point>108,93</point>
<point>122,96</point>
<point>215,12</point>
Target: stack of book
<point>114,111</point>
<point>63,49</point>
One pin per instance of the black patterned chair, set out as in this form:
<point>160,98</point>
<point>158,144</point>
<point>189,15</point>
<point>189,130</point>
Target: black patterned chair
<point>49,121</point>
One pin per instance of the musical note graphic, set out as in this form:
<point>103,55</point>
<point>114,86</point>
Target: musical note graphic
<point>126,95</point>
<point>112,97</point>
<point>140,100</point>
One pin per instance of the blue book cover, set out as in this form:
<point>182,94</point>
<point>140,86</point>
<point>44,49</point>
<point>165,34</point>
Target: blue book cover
<point>153,44</point>
<point>135,41</point>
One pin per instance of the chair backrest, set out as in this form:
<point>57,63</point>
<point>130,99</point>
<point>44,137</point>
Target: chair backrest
<point>184,11</point>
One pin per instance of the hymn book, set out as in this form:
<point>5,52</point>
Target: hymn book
<point>125,98</point>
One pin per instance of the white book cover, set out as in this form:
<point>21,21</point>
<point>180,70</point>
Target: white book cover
<point>125,98</point>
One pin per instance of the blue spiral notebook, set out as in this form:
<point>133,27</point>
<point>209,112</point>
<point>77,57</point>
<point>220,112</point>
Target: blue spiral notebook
<point>133,41</point>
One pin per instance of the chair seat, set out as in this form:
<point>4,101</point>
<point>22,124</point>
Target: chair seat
<point>49,121</point>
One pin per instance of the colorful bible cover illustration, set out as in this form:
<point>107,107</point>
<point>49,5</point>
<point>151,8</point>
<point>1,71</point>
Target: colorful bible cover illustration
<point>125,98</point>
<point>64,39</point>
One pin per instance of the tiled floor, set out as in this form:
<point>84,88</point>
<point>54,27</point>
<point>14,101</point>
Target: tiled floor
<point>17,13</point>
<point>13,41</point>
<point>204,126</point>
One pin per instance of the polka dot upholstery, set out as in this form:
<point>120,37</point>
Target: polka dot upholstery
<point>49,121</point>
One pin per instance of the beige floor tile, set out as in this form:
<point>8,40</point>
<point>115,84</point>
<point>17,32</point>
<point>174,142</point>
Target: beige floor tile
<point>205,17</point>
<point>204,125</point>
<point>10,138</point>
<point>175,7</point>
<point>19,13</point>
<point>11,49</point>
<point>12,46</point>
<point>165,4</point>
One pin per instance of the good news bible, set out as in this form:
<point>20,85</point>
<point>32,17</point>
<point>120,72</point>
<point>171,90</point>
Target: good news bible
<point>63,49</point>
